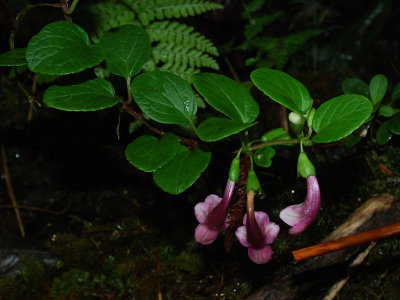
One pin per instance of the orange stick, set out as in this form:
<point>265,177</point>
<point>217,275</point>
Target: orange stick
<point>348,241</point>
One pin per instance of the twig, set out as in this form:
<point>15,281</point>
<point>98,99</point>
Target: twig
<point>31,98</point>
<point>11,192</point>
<point>191,143</point>
<point>283,115</point>
<point>231,69</point>
<point>21,15</point>
<point>69,10</point>
<point>348,241</point>
<point>335,289</point>
<point>33,208</point>
<point>158,269</point>
<point>137,116</point>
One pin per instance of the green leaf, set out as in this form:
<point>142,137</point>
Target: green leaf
<point>62,48</point>
<point>355,86</point>
<point>164,97</point>
<point>263,157</point>
<point>394,124</point>
<point>215,129</point>
<point>227,96</point>
<point>352,140</point>
<point>383,135</point>
<point>396,92</point>
<point>282,88</point>
<point>182,171</point>
<point>14,57</point>
<point>386,111</point>
<point>340,116</point>
<point>377,88</point>
<point>126,50</point>
<point>275,134</point>
<point>91,95</point>
<point>148,153</point>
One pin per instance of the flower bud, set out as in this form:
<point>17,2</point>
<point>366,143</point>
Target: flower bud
<point>234,170</point>
<point>296,121</point>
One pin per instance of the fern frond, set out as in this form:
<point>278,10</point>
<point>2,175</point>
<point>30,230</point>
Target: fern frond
<point>178,55</point>
<point>148,10</point>
<point>257,25</point>
<point>253,5</point>
<point>179,48</point>
<point>109,15</point>
<point>183,72</point>
<point>279,50</point>
<point>180,34</point>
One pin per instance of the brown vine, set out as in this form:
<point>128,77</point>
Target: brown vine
<point>239,207</point>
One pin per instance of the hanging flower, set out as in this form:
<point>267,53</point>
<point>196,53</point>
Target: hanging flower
<point>213,212</point>
<point>257,233</point>
<point>300,216</point>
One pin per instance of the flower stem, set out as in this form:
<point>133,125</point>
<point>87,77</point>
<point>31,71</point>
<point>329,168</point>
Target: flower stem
<point>273,143</point>
<point>128,89</point>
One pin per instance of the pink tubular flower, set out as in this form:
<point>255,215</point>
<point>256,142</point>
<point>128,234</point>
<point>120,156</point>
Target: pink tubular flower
<point>257,233</point>
<point>212,215</point>
<point>300,216</point>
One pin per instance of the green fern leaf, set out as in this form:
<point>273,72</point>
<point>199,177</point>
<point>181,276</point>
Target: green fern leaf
<point>181,34</point>
<point>184,73</point>
<point>109,15</point>
<point>148,10</point>
<point>277,51</point>
<point>256,25</point>
<point>178,55</point>
<point>179,49</point>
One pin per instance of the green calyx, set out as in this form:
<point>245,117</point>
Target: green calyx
<point>234,170</point>
<point>305,167</point>
<point>252,182</point>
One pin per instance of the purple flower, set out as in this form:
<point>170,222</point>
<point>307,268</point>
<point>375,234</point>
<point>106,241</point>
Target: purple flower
<point>256,234</point>
<point>300,216</point>
<point>212,215</point>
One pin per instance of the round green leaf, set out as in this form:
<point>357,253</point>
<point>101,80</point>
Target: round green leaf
<point>377,88</point>
<point>355,86</point>
<point>91,95</point>
<point>148,153</point>
<point>275,134</point>
<point>182,171</point>
<point>227,96</point>
<point>126,50</point>
<point>383,135</point>
<point>386,111</point>
<point>164,97</point>
<point>396,92</point>
<point>14,57</point>
<point>62,48</point>
<point>282,88</point>
<point>340,116</point>
<point>263,157</point>
<point>394,124</point>
<point>215,129</point>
